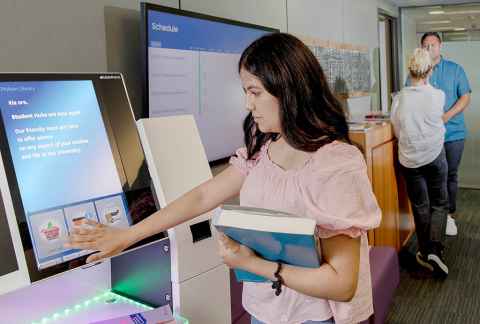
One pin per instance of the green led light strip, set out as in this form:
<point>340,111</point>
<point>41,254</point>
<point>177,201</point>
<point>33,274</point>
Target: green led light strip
<point>92,301</point>
<point>183,319</point>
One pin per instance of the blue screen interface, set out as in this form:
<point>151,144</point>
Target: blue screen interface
<point>63,162</point>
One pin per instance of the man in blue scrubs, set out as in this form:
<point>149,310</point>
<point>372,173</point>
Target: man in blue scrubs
<point>450,77</point>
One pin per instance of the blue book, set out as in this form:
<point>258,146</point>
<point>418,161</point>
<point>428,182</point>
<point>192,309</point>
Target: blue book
<point>273,235</point>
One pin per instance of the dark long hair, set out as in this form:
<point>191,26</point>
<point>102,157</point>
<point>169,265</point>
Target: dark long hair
<point>310,115</point>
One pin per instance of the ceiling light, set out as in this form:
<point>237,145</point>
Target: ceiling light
<point>458,39</point>
<point>440,29</point>
<point>446,28</point>
<point>434,22</point>
<point>436,12</point>
<point>463,12</point>
<point>449,35</point>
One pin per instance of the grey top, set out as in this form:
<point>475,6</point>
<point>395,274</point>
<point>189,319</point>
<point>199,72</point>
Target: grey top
<point>417,122</point>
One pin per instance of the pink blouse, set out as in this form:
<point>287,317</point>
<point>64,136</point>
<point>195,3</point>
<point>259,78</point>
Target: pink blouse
<point>333,188</point>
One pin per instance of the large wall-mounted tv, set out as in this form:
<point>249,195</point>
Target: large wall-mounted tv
<point>190,66</point>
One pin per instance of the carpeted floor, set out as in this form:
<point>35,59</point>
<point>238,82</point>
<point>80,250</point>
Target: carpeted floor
<point>457,299</point>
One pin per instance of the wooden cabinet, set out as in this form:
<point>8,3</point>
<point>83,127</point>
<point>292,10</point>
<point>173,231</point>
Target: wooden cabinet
<point>379,148</point>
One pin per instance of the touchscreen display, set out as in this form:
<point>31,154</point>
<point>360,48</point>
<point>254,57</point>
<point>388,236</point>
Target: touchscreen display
<point>62,160</point>
<point>62,144</point>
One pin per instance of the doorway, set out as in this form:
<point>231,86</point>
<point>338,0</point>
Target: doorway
<point>459,28</point>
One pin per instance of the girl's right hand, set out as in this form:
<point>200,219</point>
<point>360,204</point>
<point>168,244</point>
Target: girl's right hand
<point>107,240</point>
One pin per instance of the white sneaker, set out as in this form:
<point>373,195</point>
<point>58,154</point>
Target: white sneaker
<point>451,229</point>
<point>440,269</point>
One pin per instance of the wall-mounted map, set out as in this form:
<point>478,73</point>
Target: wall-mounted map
<point>347,67</point>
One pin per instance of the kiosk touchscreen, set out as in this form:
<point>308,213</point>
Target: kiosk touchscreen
<point>70,151</point>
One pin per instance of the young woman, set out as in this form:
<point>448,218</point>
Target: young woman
<point>297,159</point>
<point>417,121</point>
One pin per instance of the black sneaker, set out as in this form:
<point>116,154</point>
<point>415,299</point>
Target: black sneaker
<point>423,261</point>
<point>440,269</point>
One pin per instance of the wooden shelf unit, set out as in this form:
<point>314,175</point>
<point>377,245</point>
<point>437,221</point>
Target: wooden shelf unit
<point>379,148</point>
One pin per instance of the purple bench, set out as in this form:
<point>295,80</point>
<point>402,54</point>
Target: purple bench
<point>385,279</point>
<point>239,315</point>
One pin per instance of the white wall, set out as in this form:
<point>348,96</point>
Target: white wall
<point>344,21</point>
<point>383,65</point>
<point>349,21</point>
<point>319,19</point>
<point>271,13</point>
<point>103,35</point>
<point>73,36</point>
<point>409,42</point>
<point>360,22</point>
<point>389,7</point>
<point>466,54</point>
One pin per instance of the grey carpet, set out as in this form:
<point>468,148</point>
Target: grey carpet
<point>420,299</point>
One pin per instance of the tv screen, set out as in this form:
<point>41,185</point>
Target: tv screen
<point>71,152</point>
<point>190,64</point>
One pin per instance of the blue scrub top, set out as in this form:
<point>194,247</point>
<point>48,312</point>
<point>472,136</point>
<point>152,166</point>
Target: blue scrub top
<point>450,77</point>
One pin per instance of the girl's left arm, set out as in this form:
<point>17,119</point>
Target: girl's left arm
<point>336,279</point>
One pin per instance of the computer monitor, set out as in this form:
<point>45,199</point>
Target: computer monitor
<point>190,67</point>
<point>70,151</point>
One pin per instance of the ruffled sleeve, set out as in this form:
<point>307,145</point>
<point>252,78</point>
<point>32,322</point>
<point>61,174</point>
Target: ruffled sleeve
<point>242,163</point>
<point>339,195</point>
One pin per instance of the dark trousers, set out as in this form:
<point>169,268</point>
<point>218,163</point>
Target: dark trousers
<point>453,151</point>
<point>427,190</point>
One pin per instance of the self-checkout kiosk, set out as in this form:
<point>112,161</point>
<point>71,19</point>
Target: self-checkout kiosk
<point>197,271</point>
<point>70,149</point>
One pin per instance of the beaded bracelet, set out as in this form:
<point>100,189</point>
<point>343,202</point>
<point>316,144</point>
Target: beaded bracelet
<point>277,284</point>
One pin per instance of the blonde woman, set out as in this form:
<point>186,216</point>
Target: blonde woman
<point>417,121</point>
